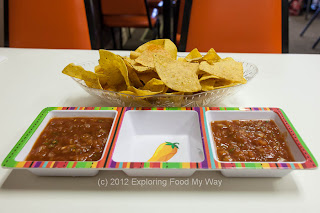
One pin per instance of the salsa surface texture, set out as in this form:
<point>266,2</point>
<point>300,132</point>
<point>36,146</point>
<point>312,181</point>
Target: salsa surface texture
<point>71,139</point>
<point>250,140</point>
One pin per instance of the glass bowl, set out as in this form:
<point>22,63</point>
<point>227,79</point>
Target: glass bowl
<point>162,100</point>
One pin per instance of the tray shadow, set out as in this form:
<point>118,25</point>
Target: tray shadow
<point>119,181</point>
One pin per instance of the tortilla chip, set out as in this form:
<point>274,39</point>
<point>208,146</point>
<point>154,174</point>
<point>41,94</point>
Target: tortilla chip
<point>131,97</point>
<point>227,69</point>
<point>207,76</point>
<point>177,75</point>
<point>117,88</point>
<point>165,90</point>
<point>221,83</point>
<point>194,55</point>
<point>147,76</point>
<point>147,57</point>
<point>90,78</point>
<point>167,44</point>
<point>133,77</point>
<point>154,85</point>
<point>134,55</point>
<point>153,68</point>
<point>171,48</point>
<point>138,67</point>
<point>211,56</point>
<point>145,46</point>
<point>207,82</point>
<point>210,82</point>
<point>127,92</point>
<point>98,69</point>
<point>115,69</point>
<point>181,59</point>
<point>102,78</point>
<point>140,92</point>
<point>228,59</point>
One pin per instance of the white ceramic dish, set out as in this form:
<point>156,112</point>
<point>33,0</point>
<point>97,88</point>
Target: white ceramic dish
<point>63,113</point>
<point>253,115</point>
<point>142,132</point>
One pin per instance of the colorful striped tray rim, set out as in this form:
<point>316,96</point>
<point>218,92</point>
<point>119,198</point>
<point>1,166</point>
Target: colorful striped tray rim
<point>209,162</point>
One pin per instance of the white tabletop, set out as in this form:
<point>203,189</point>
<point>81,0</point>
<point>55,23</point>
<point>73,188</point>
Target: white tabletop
<point>31,80</point>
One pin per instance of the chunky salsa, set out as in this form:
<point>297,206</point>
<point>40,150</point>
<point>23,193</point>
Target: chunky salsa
<point>71,139</point>
<point>250,140</point>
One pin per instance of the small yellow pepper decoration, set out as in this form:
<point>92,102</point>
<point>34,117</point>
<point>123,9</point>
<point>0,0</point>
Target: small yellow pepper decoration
<point>164,152</point>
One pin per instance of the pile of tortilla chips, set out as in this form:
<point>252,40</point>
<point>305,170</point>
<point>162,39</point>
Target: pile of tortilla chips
<point>153,68</point>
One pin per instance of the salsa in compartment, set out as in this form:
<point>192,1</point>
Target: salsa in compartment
<point>72,139</point>
<point>250,140</point>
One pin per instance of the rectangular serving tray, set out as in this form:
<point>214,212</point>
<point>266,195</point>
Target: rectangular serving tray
<point>137,132</point>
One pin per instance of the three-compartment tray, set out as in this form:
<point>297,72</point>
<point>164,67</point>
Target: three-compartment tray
<point>137,132</point>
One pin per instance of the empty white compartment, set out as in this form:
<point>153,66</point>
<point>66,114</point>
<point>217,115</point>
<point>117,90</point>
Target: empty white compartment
<point>63,113</point>
<point>143,131</point>
<point>253,115</point>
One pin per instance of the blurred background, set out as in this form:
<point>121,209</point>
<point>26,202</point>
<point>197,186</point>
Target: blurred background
<point>265,26</point>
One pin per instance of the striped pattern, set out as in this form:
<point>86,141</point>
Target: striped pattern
<point>209,162</point>
<point>11,163</point>
<point>310,160</point>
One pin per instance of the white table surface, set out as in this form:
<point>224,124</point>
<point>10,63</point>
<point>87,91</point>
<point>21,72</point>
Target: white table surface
<point>32,80</point>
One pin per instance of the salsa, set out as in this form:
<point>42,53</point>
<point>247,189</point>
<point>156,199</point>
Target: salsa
<point>71,139</point>
<point>250,140</point>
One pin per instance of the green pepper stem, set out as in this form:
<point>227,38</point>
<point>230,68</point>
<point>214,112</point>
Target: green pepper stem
<point>173,145</point>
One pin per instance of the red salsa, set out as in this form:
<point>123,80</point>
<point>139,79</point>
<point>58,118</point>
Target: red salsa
<point>71,139</point>
<point>250,140</point>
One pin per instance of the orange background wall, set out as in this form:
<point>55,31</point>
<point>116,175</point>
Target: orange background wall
<point>48,24</point>
<point>236,26</point>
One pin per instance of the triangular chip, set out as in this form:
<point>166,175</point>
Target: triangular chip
<point>167,44</point>
<point>154,85</point>
<point>133,77</point>
<point>178,75</point>
<point>138,67</point>
<point>115,70</point>
<point>147,76</point>
<point>140,92</point>
<point>171,48</point>
<point>102,78</point>
<point>211,56</point>
<point>221,83</point>
<point>98,69</point>
<point>90,78</point>
<point>207,82</point>
<point>194,55</point>
<point>227,69</point>
<point>146,58</point>
<point>134,54</point>
<point>181,59</point>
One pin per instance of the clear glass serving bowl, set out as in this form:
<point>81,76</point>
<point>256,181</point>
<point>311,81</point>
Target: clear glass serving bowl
<point>161,100</point>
